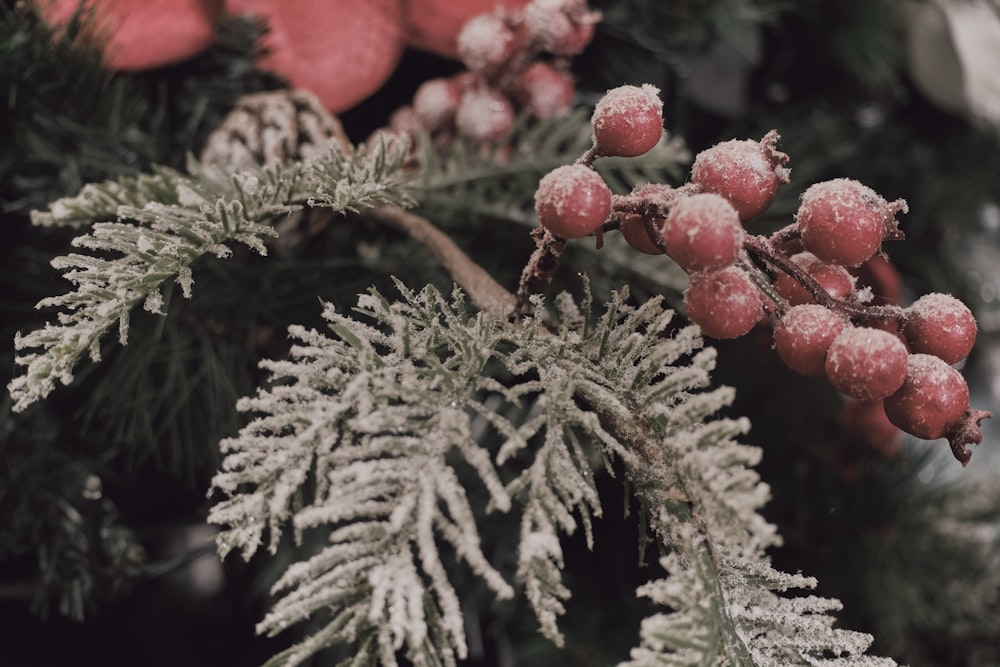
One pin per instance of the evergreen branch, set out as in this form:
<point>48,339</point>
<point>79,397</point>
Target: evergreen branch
<point>166,221</point>
<point>462,180</point>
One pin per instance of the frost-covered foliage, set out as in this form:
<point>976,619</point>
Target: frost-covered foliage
<point>148,230</point>
<point>365,430</point>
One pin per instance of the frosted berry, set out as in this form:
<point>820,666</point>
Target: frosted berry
<point>844,222</point>
<point>866,363</point>
<point>633,228</point>
<point>545,91</point>
<point>486,43</point>
<point>572,201</point>
<point>436,102</point>
<point>561,27</point>
<point>725,304</point>
<point>941,325</point>
<point>484,115</point>
<point>932,399</point>
<point>745,172</point>
<point>628,121</point>
<point>702,232</point>
<point>803,335</point>
<point>833,278</point>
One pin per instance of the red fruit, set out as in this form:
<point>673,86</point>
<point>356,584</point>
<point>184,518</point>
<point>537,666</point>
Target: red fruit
<point>844,222</point>
<point>436,102</point>
<point>561,27</point>
<point>932,399</point>
<point>725,304</point>
<point>634,230</point>
<point>486,43</point>
<point>866,363</point>
<point>545,91</point>
<point>628,121</point>
<point>139,35</point>
<point>941,325</point>
<point>745,172</point>
<point>703,233</point>
<point>484,115</point>
<point>833,278</point>
<point>803,335</point>
<point>572,201</point>
<point>433,25</point>
<point>342,51</point>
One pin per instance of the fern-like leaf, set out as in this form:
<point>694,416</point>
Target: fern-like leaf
<point>146,231</point>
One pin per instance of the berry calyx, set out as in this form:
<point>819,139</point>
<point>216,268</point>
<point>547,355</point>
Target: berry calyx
<point>725,303</point>
<point>844,222</point>
<point>803,335</point>
<point>866,363</point>
<point>628,121</point>
<point>633,228</point>
<point>703,233</point>
<point>941,325</point>
<point>745,172</point>
<point>933,398</point>
<point>572,201</point>
<point>833,278</point>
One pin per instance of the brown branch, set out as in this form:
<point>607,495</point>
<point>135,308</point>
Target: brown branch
<point>486,293</point>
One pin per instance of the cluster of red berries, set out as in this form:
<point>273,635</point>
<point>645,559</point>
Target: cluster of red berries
<point>798,279</point>
<point>515,59</point>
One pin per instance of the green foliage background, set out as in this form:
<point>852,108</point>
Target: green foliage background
<point>79,564</point>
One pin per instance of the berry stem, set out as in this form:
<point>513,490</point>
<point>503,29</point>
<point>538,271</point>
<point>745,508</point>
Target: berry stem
<point>485,293</point>
<point>762,250</point>
<point>538,272</point>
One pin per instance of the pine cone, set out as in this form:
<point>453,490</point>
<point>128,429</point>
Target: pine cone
<point>267,128</point>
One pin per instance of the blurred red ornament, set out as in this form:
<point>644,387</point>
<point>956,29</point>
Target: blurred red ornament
<point>342,51</point>
<point>140,34</point>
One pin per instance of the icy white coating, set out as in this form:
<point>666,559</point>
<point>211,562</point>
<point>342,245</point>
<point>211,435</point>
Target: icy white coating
<point>485,42</point>
<point>703,232</point>
<point>933,397</point>
<point>436,101</point>
<point>484,115</point>
<point>632,105</point>
<point>866,363</point>
<point>572,200</point>
<point>803,336</point>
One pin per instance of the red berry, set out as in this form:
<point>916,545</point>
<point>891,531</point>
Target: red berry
<point>572,201</point>
<point>745,172</point>
<point>932,399</point>
<point>486,43</point>
<point>634,230</point>
<point>941,325</point>
<point>725,304</point>
<point>803,335</point>
<point>703,233</point>
<point>484,115</point>
<point>833,278</point>
<point>844,222</point>
<point>545,91</point>
<point>628,121</point>
<point>561,27</point>
<point>436,102</point>
<point>866,363</point>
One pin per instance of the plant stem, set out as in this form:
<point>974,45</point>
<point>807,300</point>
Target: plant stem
<point>486,293</point>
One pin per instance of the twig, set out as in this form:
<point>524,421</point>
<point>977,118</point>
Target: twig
<point>486,293</point>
